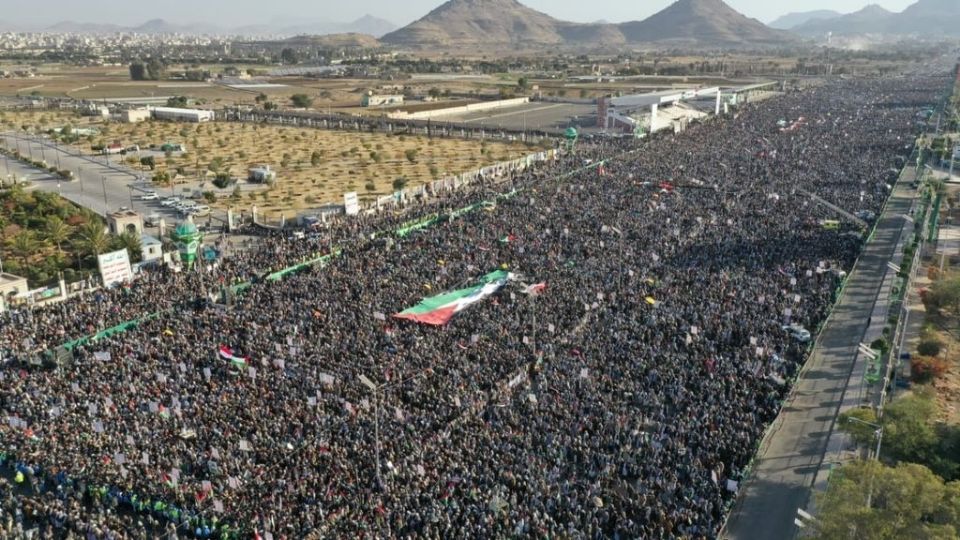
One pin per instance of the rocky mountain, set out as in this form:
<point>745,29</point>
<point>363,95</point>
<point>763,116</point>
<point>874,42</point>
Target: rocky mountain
<point>367,24</point>
<point>872,19</point>
<point>348,40</point>
<point>929,17</point>
<point>504,23</point>
<point>710,22</point>
<point>510,24</point>
<point>791,20</point>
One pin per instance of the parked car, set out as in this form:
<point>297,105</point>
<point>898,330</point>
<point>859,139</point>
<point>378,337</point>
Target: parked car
<point>797,332</point>
<point>170,201</point>
<point>200,210</point>
<point>152,220</point>
<point>149,196</point>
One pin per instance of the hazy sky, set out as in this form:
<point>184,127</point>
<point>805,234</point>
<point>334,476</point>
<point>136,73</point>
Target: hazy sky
<point>240,12</point>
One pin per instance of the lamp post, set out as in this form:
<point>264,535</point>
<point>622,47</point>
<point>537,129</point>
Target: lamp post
<point>878,433</point>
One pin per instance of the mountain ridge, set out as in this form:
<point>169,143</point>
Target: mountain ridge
<point>509,23</point>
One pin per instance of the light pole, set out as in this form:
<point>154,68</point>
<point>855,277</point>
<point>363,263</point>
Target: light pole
<point>878,433</point>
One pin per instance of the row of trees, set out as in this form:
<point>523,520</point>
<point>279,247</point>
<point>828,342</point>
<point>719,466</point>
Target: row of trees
<point>151,70</point>
<point>42,235</point>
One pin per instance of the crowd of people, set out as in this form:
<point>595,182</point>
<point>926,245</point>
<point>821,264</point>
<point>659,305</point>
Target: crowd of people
<point>624,400</point>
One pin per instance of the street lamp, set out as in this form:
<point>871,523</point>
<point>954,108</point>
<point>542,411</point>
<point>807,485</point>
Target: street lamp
<point>878,433</point>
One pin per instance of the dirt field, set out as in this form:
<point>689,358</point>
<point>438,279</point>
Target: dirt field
<point>313,166</point>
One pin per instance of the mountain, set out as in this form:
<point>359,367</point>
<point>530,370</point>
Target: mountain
<point>479,22</point>
<point>368,24</point>
<point>872,19</point>
<point>160,26</point>
<point>510,24</point>
<point>703,21</point>
<point>791,20</point>
<point>930,17</point>
<point>348,40</point>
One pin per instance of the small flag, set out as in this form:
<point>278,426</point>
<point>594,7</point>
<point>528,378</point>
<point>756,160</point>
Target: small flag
<point>227,354</point>
<point>535,289</point>
<point>507,239</point>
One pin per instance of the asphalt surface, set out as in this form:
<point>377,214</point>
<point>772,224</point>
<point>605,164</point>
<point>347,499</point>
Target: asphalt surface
<point>788,464</point>
<point>534,115</point>
<point>99,184</point>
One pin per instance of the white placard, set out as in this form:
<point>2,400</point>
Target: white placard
<point>351,203</point>
<point>115,267</point>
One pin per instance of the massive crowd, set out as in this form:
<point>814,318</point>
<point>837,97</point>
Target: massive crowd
<point>623,401</point>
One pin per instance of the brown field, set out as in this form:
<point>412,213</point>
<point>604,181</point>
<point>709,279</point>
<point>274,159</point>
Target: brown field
<point>346,161</point>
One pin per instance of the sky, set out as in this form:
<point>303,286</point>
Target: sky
<point>400,12</point>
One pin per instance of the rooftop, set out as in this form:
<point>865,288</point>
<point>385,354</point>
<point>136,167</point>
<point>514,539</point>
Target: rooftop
<point>6,279</point>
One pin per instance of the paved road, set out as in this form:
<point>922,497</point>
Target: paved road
<point>98,185</point>
<point>787,467</point>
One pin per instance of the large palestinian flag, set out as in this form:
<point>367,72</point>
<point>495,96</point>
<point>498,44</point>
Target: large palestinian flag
<point>438,310</point>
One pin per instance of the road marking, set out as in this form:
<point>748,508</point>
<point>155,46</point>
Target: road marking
<point>893,267</point>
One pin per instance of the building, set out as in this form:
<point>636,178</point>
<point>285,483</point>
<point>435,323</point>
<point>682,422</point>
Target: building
<point>261,174</point>
<point>376,100</point>
<point>182,115</point>
<point>648,113</point>
<point>10,287</point>
<point>132,116</point>
<point>125,220</point>
<point>151,247</point>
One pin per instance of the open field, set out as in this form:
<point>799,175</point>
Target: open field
<point>313,166</point>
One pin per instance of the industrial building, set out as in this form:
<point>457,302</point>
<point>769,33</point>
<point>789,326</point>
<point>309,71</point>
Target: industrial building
<point>376,100</point>
<point>182,115</point>
<point>261,174</point>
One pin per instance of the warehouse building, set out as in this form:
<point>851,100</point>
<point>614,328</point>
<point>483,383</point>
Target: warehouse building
<point>182,115</point>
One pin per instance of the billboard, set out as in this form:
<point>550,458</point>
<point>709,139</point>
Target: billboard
<point>115,267</point>
<point>351,203</point>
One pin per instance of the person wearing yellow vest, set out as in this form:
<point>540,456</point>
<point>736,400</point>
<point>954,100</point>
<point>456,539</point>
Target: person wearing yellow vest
<point>19,478</point>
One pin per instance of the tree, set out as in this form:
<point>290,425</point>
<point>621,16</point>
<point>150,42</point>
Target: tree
<point>399,183</point>
<point>156,69</point>
<point>177,101</point>
<point>315,158</point>
<point>210,196</point>
<point>944,294</point>
<point>523,84</point>
<point>56,232</point>
<point>434,92</point>
<point>130,242</point>
<point>907,501</point>
<point>25,245</point>
<point>92,238</point>
<point>149,161</point>
<point>138,71</point>
<point>411,155</point>
<point>236,195</point>
<point>289,56</point>
<point>301,101</point>
<point>908,433</point>
<point>853,422</point>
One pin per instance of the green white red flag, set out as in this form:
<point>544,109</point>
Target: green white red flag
<point>438,310</point>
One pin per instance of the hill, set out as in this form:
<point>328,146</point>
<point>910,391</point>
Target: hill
<point>510,24</point>
<point>791,20</point>
<point>479,22</point>
<point>348,40</point>
<point>872,19</point>
<point>710,22</point>
<point>929,17</point>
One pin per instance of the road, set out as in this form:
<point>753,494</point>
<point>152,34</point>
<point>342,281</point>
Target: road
<point>100,185</point>
<point>788,465</point>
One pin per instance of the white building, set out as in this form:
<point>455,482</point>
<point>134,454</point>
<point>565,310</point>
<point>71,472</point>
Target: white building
<point>132,116</point>
<point>376,100</point>
<point>151,247</point>
<point>261,174</point>
<point>182,115</point>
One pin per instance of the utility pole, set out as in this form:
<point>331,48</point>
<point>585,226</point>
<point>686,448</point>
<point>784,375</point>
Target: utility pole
<point>106,205</point>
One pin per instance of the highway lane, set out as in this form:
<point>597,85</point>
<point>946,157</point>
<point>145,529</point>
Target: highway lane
<point>787,467</point>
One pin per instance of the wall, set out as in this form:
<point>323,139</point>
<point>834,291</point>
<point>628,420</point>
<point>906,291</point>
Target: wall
<point>473,107</point>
